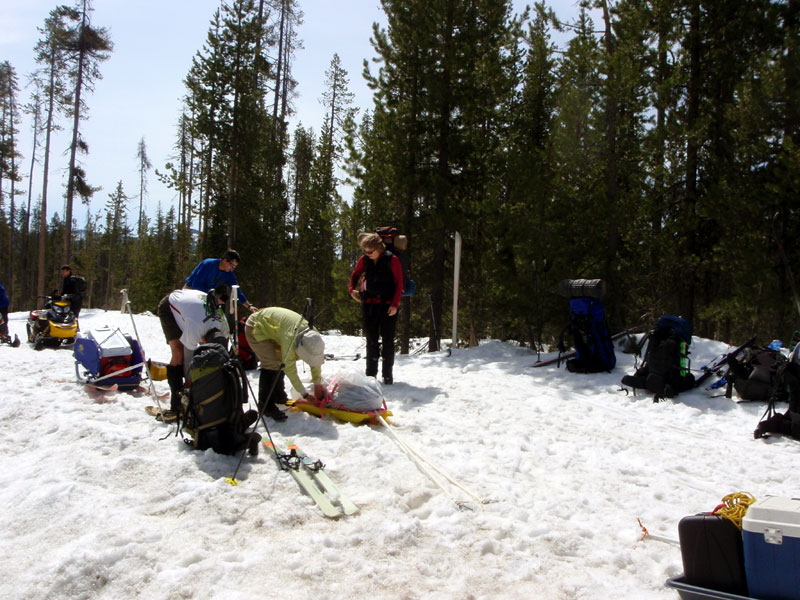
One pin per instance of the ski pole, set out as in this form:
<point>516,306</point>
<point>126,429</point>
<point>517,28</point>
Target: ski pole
<point>261,417</point>
<point>127,304</point>
<point>433,321</point>
<point>234,308</point>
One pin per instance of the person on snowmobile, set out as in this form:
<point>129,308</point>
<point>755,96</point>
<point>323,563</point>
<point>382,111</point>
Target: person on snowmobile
<point>280,336</point>
<point>188,318</point>
<point>70,286</point>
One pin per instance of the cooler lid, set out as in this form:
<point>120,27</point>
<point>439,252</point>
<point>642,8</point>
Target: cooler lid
<point>773,512</point>
<point>111,342</point>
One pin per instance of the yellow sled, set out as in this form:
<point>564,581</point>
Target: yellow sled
<point>343,415</point>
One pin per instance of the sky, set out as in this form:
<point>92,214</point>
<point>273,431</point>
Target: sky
<point>140,93</point>
<point>521,484</point>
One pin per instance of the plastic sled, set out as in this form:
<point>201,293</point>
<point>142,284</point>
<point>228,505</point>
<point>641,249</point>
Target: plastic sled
<point>108,357</point>
<point>341,414</point>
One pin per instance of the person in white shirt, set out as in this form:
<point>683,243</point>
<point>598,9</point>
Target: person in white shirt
<point>188,319</point>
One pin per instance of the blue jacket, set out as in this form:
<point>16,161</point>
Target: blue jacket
<point>3,297</point>
<point>207,275</point>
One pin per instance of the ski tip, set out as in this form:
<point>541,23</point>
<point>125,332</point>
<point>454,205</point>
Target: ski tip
<point>231,481</point>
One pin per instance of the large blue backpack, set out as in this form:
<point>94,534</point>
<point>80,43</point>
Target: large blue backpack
<point>594,350</point>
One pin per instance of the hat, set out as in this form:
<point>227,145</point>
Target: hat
<point>310,347</point>
<point>66,267</point>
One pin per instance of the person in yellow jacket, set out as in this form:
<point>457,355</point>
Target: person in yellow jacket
<point>278,337</point>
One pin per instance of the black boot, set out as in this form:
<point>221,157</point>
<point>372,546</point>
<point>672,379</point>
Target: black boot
<point>266,400</point>
<point>386,370</point>
<point>175,380</point>
<point>372,366</point>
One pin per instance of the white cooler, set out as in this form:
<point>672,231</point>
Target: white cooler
<point>111,342</point>
<point>771,536</point>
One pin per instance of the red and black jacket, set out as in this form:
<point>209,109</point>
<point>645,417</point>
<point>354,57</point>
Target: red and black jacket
<point>382,280</point>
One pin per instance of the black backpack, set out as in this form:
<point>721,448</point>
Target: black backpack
<point>666,368</point>
<point>212,405</point>
<point>594,350</point>
<point>786,388</point>
<point>80,283</point>
<point>754,374</point>
<point>397,244</point>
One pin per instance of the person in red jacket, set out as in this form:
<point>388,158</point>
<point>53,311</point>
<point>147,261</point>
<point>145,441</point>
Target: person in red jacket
<point>377,283</point>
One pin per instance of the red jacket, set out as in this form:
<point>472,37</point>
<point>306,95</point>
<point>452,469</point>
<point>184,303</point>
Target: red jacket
<point>382,280</point>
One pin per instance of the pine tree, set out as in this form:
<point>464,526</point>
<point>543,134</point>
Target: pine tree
<point>51,53</point>
<point>88,46</point>
<point>9,164</point>
<point>144,166</point>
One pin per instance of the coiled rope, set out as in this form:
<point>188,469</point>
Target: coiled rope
<point>734,506</point>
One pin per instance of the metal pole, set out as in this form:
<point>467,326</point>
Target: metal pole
<point>456,273</point>
<point>127,304</point>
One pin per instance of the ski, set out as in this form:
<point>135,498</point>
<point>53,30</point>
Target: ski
<point>315,467</point>
<point>159,414</point>
<point>102,388</point>
<point>571,353</point>
<point>293,463</point>
<point>713,367</point>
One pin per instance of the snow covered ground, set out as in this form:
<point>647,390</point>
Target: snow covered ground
<point>99,501</point>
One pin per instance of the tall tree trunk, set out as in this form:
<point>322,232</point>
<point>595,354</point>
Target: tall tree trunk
<point>612,194</point>
<point>45,172</point>
<point>688,227</point>
<point>73,148</point>
<point>26,281</point>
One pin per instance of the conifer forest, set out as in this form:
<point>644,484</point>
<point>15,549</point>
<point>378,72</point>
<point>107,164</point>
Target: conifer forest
<point>657,148</point>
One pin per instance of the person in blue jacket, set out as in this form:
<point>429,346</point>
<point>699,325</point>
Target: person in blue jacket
<point>211,272</point>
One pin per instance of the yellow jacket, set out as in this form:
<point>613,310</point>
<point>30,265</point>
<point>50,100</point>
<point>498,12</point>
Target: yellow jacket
<point>281,325</point>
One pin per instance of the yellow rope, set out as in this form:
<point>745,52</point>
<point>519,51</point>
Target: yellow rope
<point>734,506</point>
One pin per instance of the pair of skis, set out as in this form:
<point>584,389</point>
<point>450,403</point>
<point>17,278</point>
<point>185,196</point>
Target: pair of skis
<point>309,474</point>
<point>716,366</point>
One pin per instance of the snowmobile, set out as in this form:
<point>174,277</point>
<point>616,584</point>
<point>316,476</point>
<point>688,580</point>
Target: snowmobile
<point>53,326</point>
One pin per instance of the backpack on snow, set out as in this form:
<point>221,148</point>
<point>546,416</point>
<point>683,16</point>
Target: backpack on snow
<point>212,406</point>
<point>594,350</point>
<point>786,388</point>
<point>666,368</point>
<point>397,244</point>
<point>754,374</point>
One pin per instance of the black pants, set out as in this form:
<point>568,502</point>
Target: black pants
<point>379,330</point>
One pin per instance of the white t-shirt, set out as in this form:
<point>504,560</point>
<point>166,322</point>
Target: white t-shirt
<point>189,309</point>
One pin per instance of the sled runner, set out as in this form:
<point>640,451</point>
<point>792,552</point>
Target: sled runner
<point>106,357</point>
